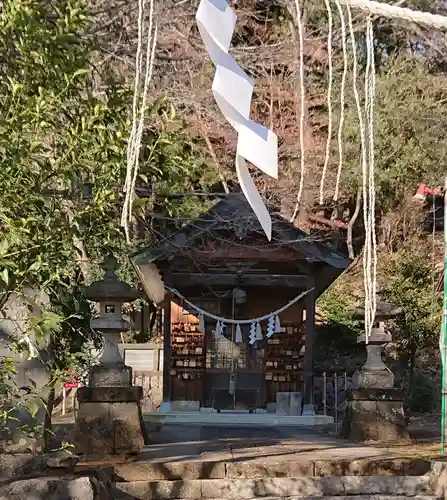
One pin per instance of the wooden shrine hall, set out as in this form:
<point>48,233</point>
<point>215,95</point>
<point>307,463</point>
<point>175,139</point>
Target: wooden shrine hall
<point>219,280</point>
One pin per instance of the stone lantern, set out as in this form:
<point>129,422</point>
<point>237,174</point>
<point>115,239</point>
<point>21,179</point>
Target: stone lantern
<point>374,409</point>
<point>110,294</point>
<point>109,419</point>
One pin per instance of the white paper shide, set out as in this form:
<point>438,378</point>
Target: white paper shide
<point>232,90</point>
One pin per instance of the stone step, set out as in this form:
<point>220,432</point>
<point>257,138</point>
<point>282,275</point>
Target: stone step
<point>353,497</point>
<point>301,487</point>
<point>153,471</point>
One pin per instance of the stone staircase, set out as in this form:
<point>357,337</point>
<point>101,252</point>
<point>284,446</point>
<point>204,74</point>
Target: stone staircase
<point>346,487</point>
<point>325,479</point>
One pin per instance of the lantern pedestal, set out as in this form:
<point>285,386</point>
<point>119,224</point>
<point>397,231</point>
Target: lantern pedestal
<point>109,419</point>
<point>375,415</point>
<point>374,408</point>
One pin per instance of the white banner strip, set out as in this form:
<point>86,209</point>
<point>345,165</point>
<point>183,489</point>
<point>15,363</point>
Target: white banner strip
<point>232,90</point>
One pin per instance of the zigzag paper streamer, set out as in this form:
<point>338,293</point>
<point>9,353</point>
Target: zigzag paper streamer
<point>238,334</point>
<point>277,324</point>
<point>271,326</point>
<point>252,338</point>
<point>259,335</point>
<point>232,90</point>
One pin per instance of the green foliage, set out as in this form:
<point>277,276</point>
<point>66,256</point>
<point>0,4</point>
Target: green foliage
<point>410,112</point>
<point>336,309</point>
<point>63,139</point>
<point>410,286</point>
<point>8,392</point>
<point>13,398</point>
<point>421,395</point>
<point>410,121</point>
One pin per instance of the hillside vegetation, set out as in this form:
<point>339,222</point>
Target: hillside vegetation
<point>67,69</point>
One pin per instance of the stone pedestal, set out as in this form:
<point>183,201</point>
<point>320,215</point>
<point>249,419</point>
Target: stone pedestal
<point>109,421</point>
<point>118,375</point>
<point>375,415</point>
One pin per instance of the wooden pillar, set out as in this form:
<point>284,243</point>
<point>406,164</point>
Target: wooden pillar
<point>309,332</point>
<point>167,347</point>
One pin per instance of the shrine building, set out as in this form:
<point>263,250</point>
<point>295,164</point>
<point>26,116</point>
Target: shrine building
<point>238,310</point>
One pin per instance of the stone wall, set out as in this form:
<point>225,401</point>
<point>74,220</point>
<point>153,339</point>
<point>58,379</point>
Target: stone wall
<point>152,384</point>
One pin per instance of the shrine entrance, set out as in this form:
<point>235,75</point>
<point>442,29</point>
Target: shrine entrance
<point>235,377</point>
<point>223,373</point>
<point>234,382</point>
<point>239,311</point>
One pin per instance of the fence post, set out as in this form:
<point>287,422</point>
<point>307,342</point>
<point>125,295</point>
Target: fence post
<point>336,400</point>
<point>64,400</point>
<point>324,394</point>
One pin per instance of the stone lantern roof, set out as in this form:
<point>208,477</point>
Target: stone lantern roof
<point>110,288</point>
<point>385,311</point>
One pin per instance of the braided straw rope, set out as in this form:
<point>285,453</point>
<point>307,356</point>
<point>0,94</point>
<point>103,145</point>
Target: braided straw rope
<point>394,12</point>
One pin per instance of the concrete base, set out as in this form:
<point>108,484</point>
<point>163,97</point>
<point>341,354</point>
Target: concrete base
<point>288,403</point>
<point>375,415</point>
<point>308,410</point>
<point>180,406</point>
<point>109,421</point>
<point>235,419</point>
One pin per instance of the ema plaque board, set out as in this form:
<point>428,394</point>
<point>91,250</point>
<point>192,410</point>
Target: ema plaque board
<point>141,360</point>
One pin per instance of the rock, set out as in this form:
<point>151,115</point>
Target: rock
<point>21,444</point>
<point>25,465</point>
<point>61,459</point>
<point>51,488</point>
<point>16,466</point>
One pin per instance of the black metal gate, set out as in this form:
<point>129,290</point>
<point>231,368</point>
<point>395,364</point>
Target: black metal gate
<point>234,377</point>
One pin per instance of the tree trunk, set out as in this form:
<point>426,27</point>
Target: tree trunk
<point>300,211</point>
<point>47,430</point>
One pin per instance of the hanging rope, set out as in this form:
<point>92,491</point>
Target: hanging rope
<point>342,98</point>
<point>367,277</point>
<point>369,287</point>
<point>329,101</point>
<point>136,98</point>
<point>368,186</point>
<point>232,321</point>
<point>138,115</point>
<point>299,21</point>
<point>370,86</point>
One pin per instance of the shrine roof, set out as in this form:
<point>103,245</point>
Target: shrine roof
<point>233,213</point>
